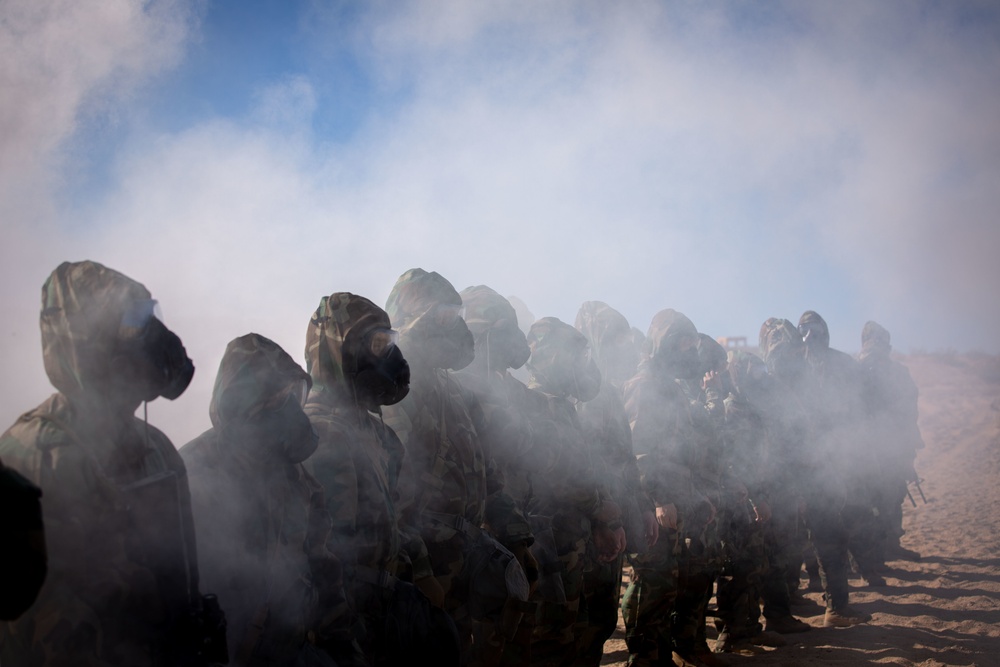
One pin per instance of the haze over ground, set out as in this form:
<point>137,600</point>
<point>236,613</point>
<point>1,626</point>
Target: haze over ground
<point>734,161</point>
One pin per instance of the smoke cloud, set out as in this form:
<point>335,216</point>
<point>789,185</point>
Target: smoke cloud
<point>731,161</point>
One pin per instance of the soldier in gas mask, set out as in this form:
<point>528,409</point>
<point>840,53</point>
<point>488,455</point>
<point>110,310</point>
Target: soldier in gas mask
<point>665,439</point>
<point>890,399</point>
<point>840,513</point>
<point>789,468</point>
<point>123,579</point>
<point>260,516</point>
<point>574,501</point>
<point>447,473</point>
<point>504,429</point>
<point>357,368</point>
<point>609,437</point>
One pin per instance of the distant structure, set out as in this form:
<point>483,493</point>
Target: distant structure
<point>735,343</point>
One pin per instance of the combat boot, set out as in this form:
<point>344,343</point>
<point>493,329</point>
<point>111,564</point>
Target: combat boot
<point>786,625</point>
<point>844,617</point>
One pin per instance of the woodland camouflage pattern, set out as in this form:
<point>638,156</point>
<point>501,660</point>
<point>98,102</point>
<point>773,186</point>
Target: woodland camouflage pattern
<point>104,602</point>
<point>260,516</point>
<point>357,463</point>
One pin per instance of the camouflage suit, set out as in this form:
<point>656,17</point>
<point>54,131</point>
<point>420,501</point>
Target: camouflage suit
<point>357,463</point>
<point>260,516</point>
<point>607,432</point>
<point>890,399</point>
<point>572,500</point>
<point>506,433</point>
<point>743,536</point>
<point>840,509</point>
<point>665,439</point>
<point>122,579</point>
<point>446,473</point>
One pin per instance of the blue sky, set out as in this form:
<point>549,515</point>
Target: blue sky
<point>734,161</point>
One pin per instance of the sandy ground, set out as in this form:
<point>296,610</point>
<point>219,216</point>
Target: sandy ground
<point>945,609</point>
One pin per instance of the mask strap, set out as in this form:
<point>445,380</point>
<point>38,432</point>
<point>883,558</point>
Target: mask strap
<point>488,374</point>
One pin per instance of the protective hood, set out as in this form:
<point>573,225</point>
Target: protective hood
<point>500,343</point>
<point>812,328</point>
<point>711,354</point>
<point>875,340</point>
<point>100,337</point>
<point>671,346</point>
<point>83,304</point>
<point>560,362</point>
<point>426,310</point>
<point>781,347</point>
<point>257,402</point>
<point>611,342</point>
<point>336,348</point>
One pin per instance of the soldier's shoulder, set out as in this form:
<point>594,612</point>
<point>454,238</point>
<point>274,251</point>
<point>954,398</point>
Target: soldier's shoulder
<point>201,452</point>
<point>45,427</point>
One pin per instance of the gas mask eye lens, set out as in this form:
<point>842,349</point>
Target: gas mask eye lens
<point>300,390</point>
<point>137,316</point>
<point>381,341</point>
<point>809,329</point>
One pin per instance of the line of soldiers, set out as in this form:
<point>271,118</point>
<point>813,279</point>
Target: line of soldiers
<point>376,509</point>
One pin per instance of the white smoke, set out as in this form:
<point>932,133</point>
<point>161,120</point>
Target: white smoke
<point>733,162</point>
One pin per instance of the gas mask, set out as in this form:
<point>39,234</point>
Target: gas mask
<point>280,432</point>
<point>443,338</point>
<point>786,362</point>
<point>381,373</point>
<point>678,359</point>
<point>814,334</point>
<point>150,357</point>
<point>570,372</point>
<point>505,346</point>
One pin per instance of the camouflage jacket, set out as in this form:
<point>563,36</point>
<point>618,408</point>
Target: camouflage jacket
<point>115,499</point>
<point>445,469</point>
<point>260,516</point>
<point>890,399</point>
<point>603,419</point>
<point>358,458</point>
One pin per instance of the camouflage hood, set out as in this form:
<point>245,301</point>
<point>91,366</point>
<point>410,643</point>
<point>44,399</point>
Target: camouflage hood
<point>781,345</point>
<point>415,292</point>
<point>336,332</point>
<point>254,371</point>
<point>491,318</point>
<point>875,341</point>
<point>426,310</point>
<point>669,332</point>
<point>813,322</point>
<point>257,402</point>
<point>560,362</point>
<point>83,305</point>
<point>711,354</point>
<point>667,326</point>
<point>611,343</point>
